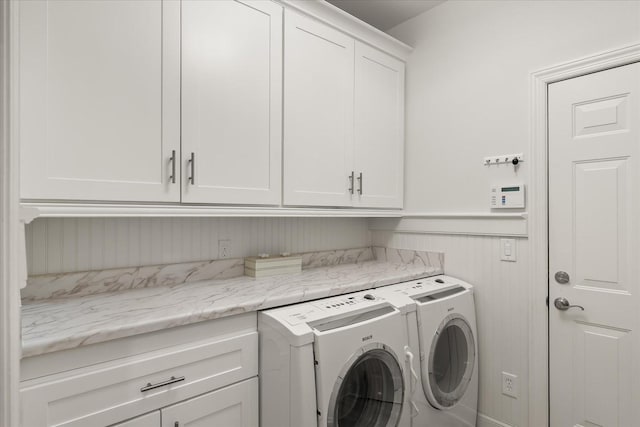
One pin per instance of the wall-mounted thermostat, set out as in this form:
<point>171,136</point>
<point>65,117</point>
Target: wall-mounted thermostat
<point>507,196</point>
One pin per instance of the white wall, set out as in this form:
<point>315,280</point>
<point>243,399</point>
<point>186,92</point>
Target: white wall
<point>468,90</point>
<point>467,98</point>
<point>66,245</point>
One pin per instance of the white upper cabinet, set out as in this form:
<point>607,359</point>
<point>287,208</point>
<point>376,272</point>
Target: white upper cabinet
<point>378,129</point>
<point>99,99</point>
<point>231,102</point>
<point>318,118</point>
<point>344,120</point>
<point>221,102</point>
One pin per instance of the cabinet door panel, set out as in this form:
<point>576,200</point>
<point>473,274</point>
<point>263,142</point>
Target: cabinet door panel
<point>99,91</point>
<point>236,406</point>
<point>149,420</point>
<point>379,128</point>
<point>232,101</point>
<point>318,93</point>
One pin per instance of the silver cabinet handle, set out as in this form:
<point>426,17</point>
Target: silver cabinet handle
<point>360,184</point>
<point>171,380</point>
<point>351,177</point>
<point>192,163</point>
<point>562,304</point>
<point>172,178</point>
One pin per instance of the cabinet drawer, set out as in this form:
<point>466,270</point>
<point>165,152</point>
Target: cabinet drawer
<point>109,392</point>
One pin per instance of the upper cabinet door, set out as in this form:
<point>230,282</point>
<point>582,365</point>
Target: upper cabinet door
<point>318,113</point>
<point>231,101</point>
<point>99,99</point>
<point>379,129</point>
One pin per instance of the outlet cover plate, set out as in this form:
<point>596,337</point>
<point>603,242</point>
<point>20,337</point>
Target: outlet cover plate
<point>508,250</point>
<point>510,385</point>
<point>224,248</point>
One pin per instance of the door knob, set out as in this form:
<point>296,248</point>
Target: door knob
<point>562,277</point>
<point>562,304</point>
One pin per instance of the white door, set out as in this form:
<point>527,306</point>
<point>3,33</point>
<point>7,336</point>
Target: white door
<point>379,128</point>
<point>149,420</point>
<point>231,101</point>
<point>232,406</point>
<point>99,99</point>
<point>594,237</point>
<point>318,113</point>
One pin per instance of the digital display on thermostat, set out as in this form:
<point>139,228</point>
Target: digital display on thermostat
<point>510,189</point>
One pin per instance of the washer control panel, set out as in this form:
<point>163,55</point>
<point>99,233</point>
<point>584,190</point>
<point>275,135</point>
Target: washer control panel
<point>344,301</point>
<point>314,310</point>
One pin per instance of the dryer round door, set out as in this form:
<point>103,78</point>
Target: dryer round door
<point>369,391</point>
<point>451,362</point>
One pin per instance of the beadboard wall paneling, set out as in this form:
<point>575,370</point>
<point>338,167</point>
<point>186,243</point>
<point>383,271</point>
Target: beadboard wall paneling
<point>56,245</point>
<point>501,296</point>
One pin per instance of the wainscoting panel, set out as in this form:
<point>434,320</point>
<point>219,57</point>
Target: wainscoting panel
<point>56,245</point>
<point>501,296</point>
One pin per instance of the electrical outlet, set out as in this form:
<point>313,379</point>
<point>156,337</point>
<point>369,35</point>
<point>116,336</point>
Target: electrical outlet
<point>224,249</point>
<point>510,385</point>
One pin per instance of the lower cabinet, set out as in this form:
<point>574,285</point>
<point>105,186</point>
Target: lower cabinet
<point>232,406</point>
<point>148,420</point>
<point>211,380</point>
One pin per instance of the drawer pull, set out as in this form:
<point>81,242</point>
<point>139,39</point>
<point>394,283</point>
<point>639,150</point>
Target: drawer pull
<point>171,380</point>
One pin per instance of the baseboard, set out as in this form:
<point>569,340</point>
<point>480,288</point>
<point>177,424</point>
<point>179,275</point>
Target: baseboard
<point>485,421</point>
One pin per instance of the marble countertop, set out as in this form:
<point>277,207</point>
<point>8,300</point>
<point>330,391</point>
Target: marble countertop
<point>60,324</point>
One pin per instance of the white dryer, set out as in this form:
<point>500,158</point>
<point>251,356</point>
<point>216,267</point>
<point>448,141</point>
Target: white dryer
<point>441,326</point>
<point>336,362</point>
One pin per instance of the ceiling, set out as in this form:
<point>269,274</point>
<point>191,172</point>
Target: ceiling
<point>385,14</point>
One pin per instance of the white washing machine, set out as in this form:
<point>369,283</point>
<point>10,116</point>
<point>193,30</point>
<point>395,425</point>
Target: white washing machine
<point>335,362</point>
<point>441,323</point>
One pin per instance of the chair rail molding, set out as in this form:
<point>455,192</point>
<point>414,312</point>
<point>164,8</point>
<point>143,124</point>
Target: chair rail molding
<point>10,263</point>
<point>538,208</point>
<point>466,223</point>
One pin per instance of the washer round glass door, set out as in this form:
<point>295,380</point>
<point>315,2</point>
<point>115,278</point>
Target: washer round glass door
<point>369,391</point>
<point>451,360</point>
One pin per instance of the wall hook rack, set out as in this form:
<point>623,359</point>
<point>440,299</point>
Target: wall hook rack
<point>513,159</point>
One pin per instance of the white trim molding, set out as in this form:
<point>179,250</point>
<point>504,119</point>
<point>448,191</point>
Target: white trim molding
<point>348,24</point>
<point>538,223</point>
<point>11,273</point>
<point>476,224</point>
<point>31,211</point>
<point>485,421</point>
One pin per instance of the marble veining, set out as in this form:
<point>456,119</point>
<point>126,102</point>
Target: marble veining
<point>407,256</point>
<point>64,323</point>
<point>336,257</point>
<point>65,285</point>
